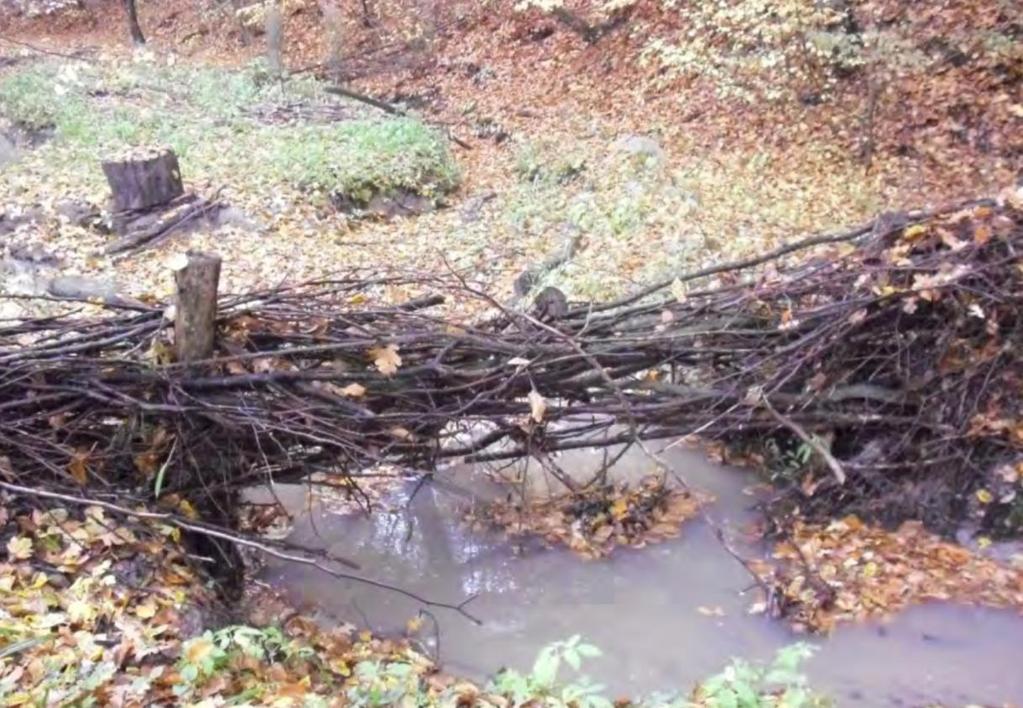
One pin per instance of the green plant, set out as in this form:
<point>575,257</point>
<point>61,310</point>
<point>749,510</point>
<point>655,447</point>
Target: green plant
<point>546,164</point>
<point>27,99</point>
<point>541,687</point>
<point>385,684</point>
<point>745,685</point>
<point>205,655</point>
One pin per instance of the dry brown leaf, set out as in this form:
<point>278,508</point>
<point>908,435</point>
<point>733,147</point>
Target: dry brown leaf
<point>386,359</point>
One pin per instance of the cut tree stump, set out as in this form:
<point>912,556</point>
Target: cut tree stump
<point>195,321</point>
<point>144,179</point>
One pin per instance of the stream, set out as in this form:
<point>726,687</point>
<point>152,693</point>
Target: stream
<point>664,616</point>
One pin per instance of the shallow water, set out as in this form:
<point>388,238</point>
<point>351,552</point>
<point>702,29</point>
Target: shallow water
<point>665,616</point>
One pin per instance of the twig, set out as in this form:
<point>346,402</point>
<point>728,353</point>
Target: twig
<point>834,465</point>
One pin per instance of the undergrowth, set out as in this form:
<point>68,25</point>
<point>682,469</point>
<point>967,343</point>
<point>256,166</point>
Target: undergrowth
<point>215,120</point>
<point>647,216</point>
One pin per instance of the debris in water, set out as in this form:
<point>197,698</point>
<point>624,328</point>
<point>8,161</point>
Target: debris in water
<point>595,521</point>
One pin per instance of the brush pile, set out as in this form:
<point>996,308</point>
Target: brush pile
<point>884,367</point>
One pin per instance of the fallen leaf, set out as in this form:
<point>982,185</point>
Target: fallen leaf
<point>386,359</point>
<point>354,390</point>
<point>77,466</point>
<point>537,406</point>
<point>19,548</point>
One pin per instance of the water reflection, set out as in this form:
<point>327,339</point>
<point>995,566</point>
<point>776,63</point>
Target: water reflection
<point>665,616</point>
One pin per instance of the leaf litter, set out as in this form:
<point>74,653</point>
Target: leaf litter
<point>594,521</point>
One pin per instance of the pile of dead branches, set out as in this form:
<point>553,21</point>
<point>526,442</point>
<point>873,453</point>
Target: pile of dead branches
<point>884,369</point>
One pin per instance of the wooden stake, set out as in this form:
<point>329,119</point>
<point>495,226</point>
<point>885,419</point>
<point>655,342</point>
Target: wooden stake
<point>195,321</point>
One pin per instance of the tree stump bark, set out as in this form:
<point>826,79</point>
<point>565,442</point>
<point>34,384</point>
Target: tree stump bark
<point>195,320</point>
<point>145,180</point>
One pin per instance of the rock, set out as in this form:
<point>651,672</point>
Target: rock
<point>230,216</point>
<point>640,146</point>
<point>22,277</point>
<point>80,287</point>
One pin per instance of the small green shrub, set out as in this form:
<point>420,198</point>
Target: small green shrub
<point>745,685</point>
<point>27,99</point>
<point>359,159</point>
<point>541,685</point>
<point>539,163</point>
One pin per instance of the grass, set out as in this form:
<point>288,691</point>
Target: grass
<point>210,117</point>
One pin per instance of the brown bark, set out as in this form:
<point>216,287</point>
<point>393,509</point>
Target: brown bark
<point>143,182</point>
<point>133,22</point>
<point>195,320</point>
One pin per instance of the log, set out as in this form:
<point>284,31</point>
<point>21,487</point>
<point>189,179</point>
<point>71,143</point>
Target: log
<point>195,319</point>
<point>144,180</point>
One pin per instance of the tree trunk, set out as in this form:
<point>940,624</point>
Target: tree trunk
<point>195,320</point>
<point>275,39</point>
<point>144,181</point>
<point>133,22</point>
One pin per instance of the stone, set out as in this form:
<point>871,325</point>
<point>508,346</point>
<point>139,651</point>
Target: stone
<point>80,287</point>
<point>22,277</point>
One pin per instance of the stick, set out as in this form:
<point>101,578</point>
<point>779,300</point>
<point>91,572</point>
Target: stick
<point>829,459</point>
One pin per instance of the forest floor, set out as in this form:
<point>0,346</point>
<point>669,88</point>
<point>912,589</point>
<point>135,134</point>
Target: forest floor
<point>562,144</point>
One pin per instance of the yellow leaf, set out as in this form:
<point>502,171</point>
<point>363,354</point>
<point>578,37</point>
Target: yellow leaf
<point>77,467</point>
<point>679,291</point>
<point>354,390</point>
<point>914,232</point>
<point>80,611</point>
<point>198,650</point>
<point>984,496</point>
<point>619,509</point>
<point>537,406</point>
<point>386,359</point>
<point>187,510</point>
<point>147,610</point>
<point>19,548</point>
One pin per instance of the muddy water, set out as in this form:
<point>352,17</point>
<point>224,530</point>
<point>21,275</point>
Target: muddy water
<point>665,616</point>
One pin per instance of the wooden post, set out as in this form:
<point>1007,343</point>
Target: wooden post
<point>195,320</point>
<point>144,179</point>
